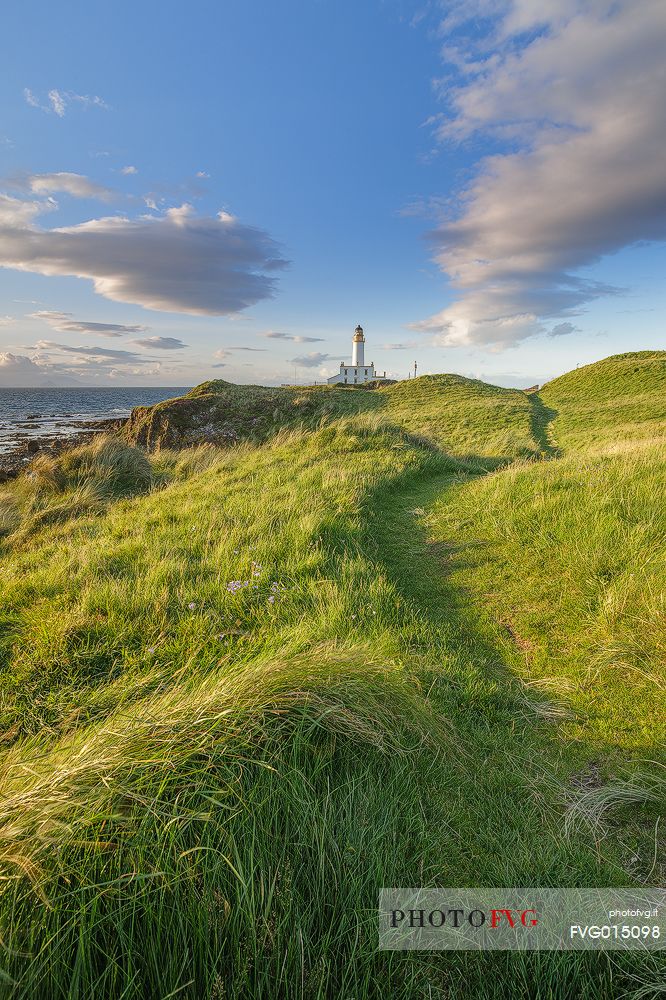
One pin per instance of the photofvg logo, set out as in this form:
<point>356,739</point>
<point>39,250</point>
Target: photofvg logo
<point>522,919</point>
<point>457,918</point>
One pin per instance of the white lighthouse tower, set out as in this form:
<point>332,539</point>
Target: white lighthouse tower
<point>358,371</point>
<point>358,348</point>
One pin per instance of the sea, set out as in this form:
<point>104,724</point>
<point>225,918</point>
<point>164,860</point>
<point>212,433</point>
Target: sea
<point>30,413</point>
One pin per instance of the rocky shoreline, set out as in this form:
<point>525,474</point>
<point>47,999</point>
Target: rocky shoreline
<point>13,462</point>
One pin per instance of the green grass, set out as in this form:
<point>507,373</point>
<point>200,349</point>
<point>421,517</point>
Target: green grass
<point>568,559</point>
<point>236,706</point>
<point>621,398</point>
<point>466,417</point>
<point>462,416</point>
<point>84,479</point>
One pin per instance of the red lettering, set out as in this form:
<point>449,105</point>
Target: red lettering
<point>497,916</point>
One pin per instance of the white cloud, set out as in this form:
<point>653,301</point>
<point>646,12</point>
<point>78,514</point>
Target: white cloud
<point>177,262</point>
<point>57,101</point>
<point>64,323</point>
<point>577,90</point>
<point>78,185</point>
<point>18,214</point>
<point>17,370</point>
<point>312,360</point>
<point>276,335</point>
<point>401,347</point>
<point>161,343</point>
<point>6,320</point>
<point>129,170</point>
<point>202,175</point>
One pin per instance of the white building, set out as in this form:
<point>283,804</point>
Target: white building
<point>358,371</point>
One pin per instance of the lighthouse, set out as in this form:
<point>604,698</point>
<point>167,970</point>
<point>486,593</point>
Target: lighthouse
<point>358,371</point>
<point>358,348</point>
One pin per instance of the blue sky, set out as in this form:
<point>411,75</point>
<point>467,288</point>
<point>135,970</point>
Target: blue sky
<point>226,189</point>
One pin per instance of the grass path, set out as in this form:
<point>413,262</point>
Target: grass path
<point>542,418</point>
<point>501,814</point>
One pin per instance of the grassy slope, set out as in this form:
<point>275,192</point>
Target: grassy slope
<point>620,398</point>
<point>209,786</point>
<point>460,415</point>
<point>465,417</point>
<point>569,559</point>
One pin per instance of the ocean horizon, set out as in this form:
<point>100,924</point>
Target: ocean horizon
<point>43,412</point>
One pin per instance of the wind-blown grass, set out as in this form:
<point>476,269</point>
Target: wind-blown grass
<point>568,559</point>
<point>621,398</point>
<point>85,479</point>
<point>236,706</point>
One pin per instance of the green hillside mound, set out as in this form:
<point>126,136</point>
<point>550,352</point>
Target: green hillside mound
<point>222,413</point>
<point>462,416</point>
<point>622,396</point>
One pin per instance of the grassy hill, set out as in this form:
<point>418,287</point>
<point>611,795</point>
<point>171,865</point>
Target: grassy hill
<point>375,642</point>
<point>622,397</point>
<point>568,559</point>
<point>460,415</point>
<point>464,416</point>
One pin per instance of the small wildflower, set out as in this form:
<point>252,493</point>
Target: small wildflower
<point>271,599</point>
<point>192,606</point>
<point>150,650</point>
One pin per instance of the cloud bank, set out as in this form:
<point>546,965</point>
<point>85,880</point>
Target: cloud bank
<point>64,323</point>
<point>77,185</point>
<point>90,352</point>
<point>176,262</point>
<point>19,370</point>
<point>276,335</point>
<point>575,92</point>
<point>312,360</point>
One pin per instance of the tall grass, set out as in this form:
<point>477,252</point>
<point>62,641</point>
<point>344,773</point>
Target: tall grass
<point>572,555</point>
<point>77,481</point>
<point>235,706</point>
<point>621,398</point>
<point>108,467</point>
